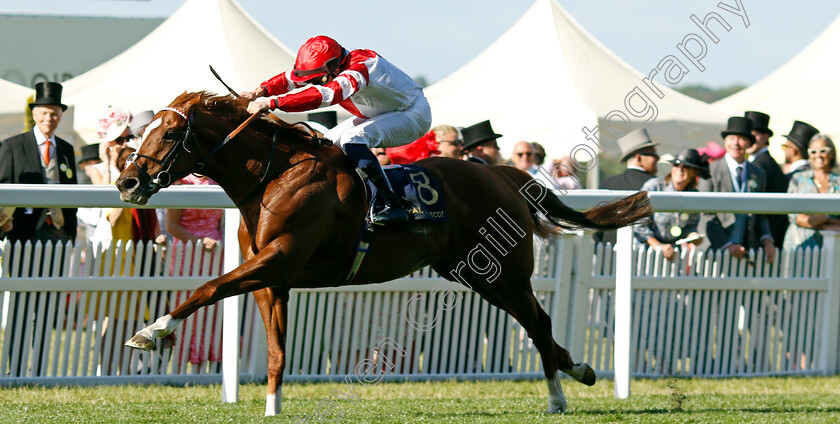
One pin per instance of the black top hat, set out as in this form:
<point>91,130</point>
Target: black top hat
<point>479,133</point>
<point>801,134</point>
<point>760,121</point>
<point>692,158</point>
<point>739,125</point>
<point>48,93</point>
<point>90,152</point>
<point>328,118</point>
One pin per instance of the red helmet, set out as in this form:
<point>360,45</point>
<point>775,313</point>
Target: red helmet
<point>315,58</point>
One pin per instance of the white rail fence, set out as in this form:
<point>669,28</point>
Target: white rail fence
<point>64,321</point>
<point>711,315</point>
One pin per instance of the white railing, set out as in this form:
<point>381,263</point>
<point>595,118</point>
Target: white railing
<point>475,339</point>
<point>68,309</point>
<point>712,315</point>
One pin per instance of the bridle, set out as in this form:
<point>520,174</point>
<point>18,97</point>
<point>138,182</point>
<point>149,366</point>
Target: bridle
<point>164,178</point>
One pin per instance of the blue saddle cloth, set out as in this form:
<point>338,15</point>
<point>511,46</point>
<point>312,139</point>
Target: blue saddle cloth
<point>419,189</point>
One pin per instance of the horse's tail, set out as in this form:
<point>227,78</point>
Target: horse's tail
<point>557,217</point>
<point>551,216</point>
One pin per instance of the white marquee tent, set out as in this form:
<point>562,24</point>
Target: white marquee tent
<point>806,88</point>
<point>12,107</point>
<point>174,58</point>
<point>547,78</point>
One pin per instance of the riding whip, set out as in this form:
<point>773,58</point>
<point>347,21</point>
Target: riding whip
<point>233,93</point>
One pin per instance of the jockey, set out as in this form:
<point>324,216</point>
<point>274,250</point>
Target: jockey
<point>389,107</point>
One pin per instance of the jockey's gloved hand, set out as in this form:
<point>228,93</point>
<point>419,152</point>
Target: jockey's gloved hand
<point>258,105</point>
<point>251,95</point>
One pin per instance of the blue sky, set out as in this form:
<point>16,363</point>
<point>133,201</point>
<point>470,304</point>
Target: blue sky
<point>433,38</point>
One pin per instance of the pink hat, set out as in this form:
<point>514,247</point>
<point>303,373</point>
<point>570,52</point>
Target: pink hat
<point>113,123</point>
<point>712,150</point>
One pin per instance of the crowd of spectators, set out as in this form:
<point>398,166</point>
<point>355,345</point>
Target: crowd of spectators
<point>744,165</point>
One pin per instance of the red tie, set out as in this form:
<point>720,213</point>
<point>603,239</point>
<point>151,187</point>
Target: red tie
<point>47,153</point>
<point>49,220</point>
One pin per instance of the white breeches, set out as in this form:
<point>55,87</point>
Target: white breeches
<point>387,130</point>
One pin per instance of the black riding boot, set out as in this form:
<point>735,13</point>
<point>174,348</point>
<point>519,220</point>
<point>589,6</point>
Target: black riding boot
<point>370,169</point>
<point>394,210</point>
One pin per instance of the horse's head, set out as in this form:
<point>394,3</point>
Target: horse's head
<point>166,154</point>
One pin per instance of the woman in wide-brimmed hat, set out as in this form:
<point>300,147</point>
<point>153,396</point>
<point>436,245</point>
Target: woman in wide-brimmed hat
<point>806,230</point>
<point>664,229</point>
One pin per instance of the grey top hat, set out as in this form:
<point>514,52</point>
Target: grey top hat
<point>140,120</point>
<point>633,141</point>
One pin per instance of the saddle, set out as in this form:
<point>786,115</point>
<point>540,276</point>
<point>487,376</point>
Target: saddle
<point>419,191</point>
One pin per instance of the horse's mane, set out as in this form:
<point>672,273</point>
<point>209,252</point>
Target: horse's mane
<point>234,109</point>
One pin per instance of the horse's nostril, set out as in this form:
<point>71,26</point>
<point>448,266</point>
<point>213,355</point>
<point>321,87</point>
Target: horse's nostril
<point>129,184</point>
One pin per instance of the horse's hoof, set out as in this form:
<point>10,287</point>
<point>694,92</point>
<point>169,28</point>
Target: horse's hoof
<point>557,405</point>
<point>141,342</point>
<point>588,375</point>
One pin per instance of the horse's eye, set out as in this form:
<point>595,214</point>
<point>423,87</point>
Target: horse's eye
<point>169,135</point>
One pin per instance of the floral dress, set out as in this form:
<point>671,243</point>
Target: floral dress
<point>803,182</point>
<point>667,227</point>
<point>201,223</point>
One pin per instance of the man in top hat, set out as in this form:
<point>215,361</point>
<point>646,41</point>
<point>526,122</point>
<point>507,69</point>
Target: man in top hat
<point>638,151</point>
<point>39,157</point>
<point>776,180</point>
<point>90,157</point>
<point>480,144</point>
<point>734,173</point>
<point>796,147</point>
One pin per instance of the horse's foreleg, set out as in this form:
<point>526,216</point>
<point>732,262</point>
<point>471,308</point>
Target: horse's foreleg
<point>276,259</point>
<point>145,338</point>
<point>272,303</point>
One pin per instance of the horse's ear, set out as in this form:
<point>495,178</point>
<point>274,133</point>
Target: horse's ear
<point>191,102</point>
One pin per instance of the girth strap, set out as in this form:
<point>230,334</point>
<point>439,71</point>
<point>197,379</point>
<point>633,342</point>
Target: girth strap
<point>365,239</point>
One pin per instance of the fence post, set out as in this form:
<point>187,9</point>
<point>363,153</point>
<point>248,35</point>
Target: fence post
<point>579,296</point>
<point>230,308</point>
<point>562,307</point>
<point>831,306</point>
<point>623,310</point>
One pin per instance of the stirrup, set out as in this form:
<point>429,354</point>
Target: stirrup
<point>389,214</point>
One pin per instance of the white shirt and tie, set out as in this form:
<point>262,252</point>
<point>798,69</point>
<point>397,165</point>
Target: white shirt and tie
<point>46,148</point>
<point>738,173</point>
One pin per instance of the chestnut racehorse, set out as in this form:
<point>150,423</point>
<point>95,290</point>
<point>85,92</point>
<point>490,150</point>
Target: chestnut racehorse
<point>303,208</point>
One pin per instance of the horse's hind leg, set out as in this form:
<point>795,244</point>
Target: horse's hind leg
<point>273,308</point>
<point>519,301</point>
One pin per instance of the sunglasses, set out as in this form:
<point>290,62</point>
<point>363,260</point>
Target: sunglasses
<point>121,140</point>
<point>822,151</point>
<point>454,142</point>
<point>651,154</point>
<point>520,154</point>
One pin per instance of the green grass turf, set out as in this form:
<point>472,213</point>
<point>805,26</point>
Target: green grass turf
<point>758,400</point>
